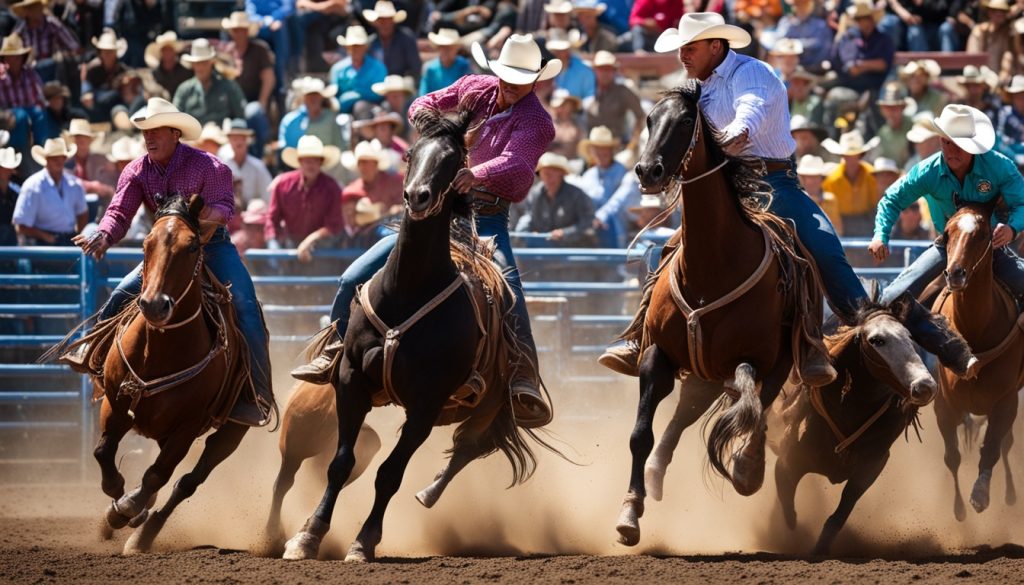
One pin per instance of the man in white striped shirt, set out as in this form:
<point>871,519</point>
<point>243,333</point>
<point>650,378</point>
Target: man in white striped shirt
<point>742,97</point>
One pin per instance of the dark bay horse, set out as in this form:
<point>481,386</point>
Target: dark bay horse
<point>979,309</point>
<point>844,431</point>
<point>436,356</point>
<point>730,277</point>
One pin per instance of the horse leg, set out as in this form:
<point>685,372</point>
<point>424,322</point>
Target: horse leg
<point>219,446</point>
<point>786,482</point>
<point>657,377</point>
<point>948,420</point>
<point>695,398</point>
<point>1011,491</point>
<point>352,396</point>
<point>748,463</point>
<point>115,425</point>
<point>1000,420</point>
<point>417,428</point>
<point>274,533</point>
<point>471,443</point>
<point>858,483</point>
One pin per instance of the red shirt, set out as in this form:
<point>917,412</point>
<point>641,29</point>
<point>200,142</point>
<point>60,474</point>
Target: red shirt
<point>665,12</point>
<point>297,210</point>
<point>386,189</point>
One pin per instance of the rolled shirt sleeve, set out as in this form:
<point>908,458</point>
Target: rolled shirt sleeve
<point>897,197</point>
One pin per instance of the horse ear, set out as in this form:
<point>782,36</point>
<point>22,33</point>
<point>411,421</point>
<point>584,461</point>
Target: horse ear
<point>901,306</point>
<point>195,205</point>
<point>873,290</point>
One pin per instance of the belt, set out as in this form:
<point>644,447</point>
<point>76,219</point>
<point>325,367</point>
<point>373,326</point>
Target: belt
<point>489,203</point>
<point>777,165</point>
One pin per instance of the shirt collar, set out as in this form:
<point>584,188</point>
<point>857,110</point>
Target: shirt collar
<point>725,68</point>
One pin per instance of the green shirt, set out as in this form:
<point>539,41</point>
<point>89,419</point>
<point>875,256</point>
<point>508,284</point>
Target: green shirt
<point>893,142</point>
<point>991,175</point>
<point>223,100</point>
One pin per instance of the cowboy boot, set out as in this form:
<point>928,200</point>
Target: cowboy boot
<point>253,411</point>
<point>622,357</point>
<point>816,367</point>
<point>321,369</point>
<point>936,337</point>
<point>528,404</point>
<point>77,360</point>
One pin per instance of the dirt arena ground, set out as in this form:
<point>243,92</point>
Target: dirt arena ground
<point>558,528</point>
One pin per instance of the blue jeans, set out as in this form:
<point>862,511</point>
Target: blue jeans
<point>223,259</point>
<point>281,45</point>
<point>33,118</point>
<point>373,260</point>
<point>923,37</point>
<point>258,122</point>
<point>1007,266</point>
<point>842,287</point>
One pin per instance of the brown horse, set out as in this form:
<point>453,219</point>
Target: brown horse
<point>722,307</point>
<point>985,314</point>
<point>309,430</point>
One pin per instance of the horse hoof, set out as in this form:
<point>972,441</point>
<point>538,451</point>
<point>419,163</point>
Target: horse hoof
<point>427,497</point>
<point>628,535</point>
<point>106,532</point>
<point>358,554</point>
<point>303,546</point>
<point>979,501</point>
<point>959,510</point>
<point>747,474</point>
<point>1011,496</point>
<point>654,481</point>
<point>629,519</point>
<point>138,520</point>
<point>115,520</point>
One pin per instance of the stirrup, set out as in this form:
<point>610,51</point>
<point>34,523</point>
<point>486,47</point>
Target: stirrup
<point>528,405</point>
<point>321,369</point>
<point>623,359</point>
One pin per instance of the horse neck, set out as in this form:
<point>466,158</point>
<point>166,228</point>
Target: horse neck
<point>422,260</point>
<point>865,389</point>
<point>973,307</point>
<point>188,338</point>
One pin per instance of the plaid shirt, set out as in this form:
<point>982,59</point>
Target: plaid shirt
<point>50,38</point>
<point>24,91</point>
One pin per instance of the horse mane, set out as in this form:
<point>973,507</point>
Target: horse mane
<point>843,339</point>
<point>179,206</point>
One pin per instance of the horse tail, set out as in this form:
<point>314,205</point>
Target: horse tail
<point>743,417</point>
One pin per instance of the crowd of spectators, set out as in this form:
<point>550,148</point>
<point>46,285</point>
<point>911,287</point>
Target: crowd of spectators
<point>306,102</point>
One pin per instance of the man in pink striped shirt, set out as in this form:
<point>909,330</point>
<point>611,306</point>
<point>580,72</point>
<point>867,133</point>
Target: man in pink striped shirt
<point>21,91</point>
<point>45,34</point>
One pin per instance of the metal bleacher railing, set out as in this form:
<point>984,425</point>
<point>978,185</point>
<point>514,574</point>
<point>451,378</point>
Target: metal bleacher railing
<point>581,299</point>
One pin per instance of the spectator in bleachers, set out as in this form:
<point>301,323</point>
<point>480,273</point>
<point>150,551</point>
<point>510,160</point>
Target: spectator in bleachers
<point>862,57</point>
<point>649,18</point>
<point>966,14</point>
<point>923,137</point>
<point>927,24</point>
<point>803,101</point>
<point>254,63</point>
<point>51,207</point>
<point>1010,128</point>
<point>811,30</point>
<point>557,14</point>
<point>645,212</point>
<point>211,139</point>
<point>386,126</point>
<point>919,77</point>
<point>314,116</point>
<point>375,181</point>
<point>59,112</point>
<point>565,108</point>
<point>853,183</point>
<point>910,225</point>
<point>610,186</point>
<point>448,66</point>
<point>163,60</point>
<point>978,84</point>
<point>811,171</point>
<point>463,16</point>
<point>557,208</point>
<point>208,96</point>
<point>596,36</point>
<point>397,92</point>
<point>139,21</point>
<point>244,166</point>
<point>576,76</point>
<point>252,234</point>
<point>784,56</point>
<point>886,172</point>
<point>355,75</point>
<point>21,92</point>
<point>892,135</point>
<point>272,17</point>
<point>99,85</point>
<point>305,204</point>
<point>314,26</point>
<point>9,163</point>
<point>361,217</point>
<point>994,37</point>
<point>393,45</point>
<point>92,169</point>
<point>808,137</point>
<point>47,36</point>
<point>123,151</point>
<point>613,101</point>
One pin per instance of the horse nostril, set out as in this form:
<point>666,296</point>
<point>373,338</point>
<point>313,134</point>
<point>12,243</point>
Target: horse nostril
<point>657,171</point>
<point>639,170</point>
<point>922,391</point>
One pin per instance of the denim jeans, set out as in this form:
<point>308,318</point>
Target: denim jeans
<point>374,259</point>
<point>923,37</point>
<point>223,259</point>
<point>280,44</point>
<point>33,118</point>
<point>842,287</point>
<point>1007,266</point>
<point>258,122</point>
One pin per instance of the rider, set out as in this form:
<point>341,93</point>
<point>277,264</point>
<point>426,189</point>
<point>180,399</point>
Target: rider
<point>515,131</point>
<point>173,169</point>
<point>746,101</point>
<point>966,170</point>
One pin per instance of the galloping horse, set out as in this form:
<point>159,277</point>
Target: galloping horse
<point>422,288</point>
<point>844,430</point>
<point>723,307</point>
<point>985,314</point>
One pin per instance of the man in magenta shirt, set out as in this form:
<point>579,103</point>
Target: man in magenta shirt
<point>515,131</point>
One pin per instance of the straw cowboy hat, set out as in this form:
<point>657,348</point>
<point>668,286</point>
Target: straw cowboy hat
<point>52,147</point>
<point>1018,26</point>
<point>559,7</point>
<point>354,35</point>
<point>384,9</point>
<point>801,73</point>
<point>236,127</point>
<point>587,5</point>
<point>108,41</point>
<point>201,51</point>
<point>800,123</point>
<point>995,5</point>
<point>864,9</point>
<point>605,59</point>
<point>125,149</point>
<point>811,165</point>
<point>520,61</point>
<point>850,144</point>
<point>366,150</point>
<point>21,8</point>
<point>974,74</point>
<point>787,46</point>
<point>152,53</point>
<point>893,94</point>
<point>304,86</point>
<point>14,46</point>
<point>652,201</point>
<point>1016,84</point>
<point>884,165</point>
<point>160,113</point>
<point>311,147</point>
<point>923,129</point>
<point>367,212</point>
<point>553,160</point>
<point>240,19</point>
<point>444,37</point>
<point>212,132</point>
<point>699,26</point>
<point>561,40</point>
<point>10,158</point>
<point>967,127</point>
<point>561,96</point>
<point>928,66</point>
<point>599,136</point>
<point>81,127</point>
<point>393,83</point>
<point>384,116</point>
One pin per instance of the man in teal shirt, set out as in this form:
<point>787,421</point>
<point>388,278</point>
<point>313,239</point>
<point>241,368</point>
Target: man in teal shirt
<point>355,75</point>
<point>966,170</point>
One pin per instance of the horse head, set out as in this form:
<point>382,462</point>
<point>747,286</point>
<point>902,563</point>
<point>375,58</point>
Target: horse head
<point>968,239</point>
<point>434,160</point>
<point>678,139</point>
<point>172,257</point>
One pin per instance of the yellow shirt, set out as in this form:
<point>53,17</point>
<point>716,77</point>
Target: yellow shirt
<point>830,206</point>
<point>859,198</point>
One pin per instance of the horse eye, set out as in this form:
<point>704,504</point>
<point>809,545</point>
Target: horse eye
<point>193,247</point>
<point>876,341</point>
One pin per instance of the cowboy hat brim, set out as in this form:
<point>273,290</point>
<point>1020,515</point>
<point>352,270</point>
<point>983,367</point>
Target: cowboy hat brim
<point>984,134</point>
<point>189,127</point>
<point>19,8</point>
<point>515,75</point>
<point>837,149</point>
<point>820,133</point>
<point>599,8</point>
<point>330,156</point>
<point>39,154</point>
<point>441,40</point>
<point>372,16</point>
<point>226,24</point>
<point>351,162</point>
<point>12,164</point>
<point>152,53</point>
<point>671,39</point>
<point>120,45</point>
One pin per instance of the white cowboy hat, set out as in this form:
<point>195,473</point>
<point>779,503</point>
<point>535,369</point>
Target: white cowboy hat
<point>800,123</point>
<point>367,212</point>
<point>366,150</point>
<point>559,7</point>
<point>581,5</point>
<point>893,94</point>
<point>923,129</point>
<point>605,59</point>
<point>444,37</point>
<point>311,147</point>
<point>553,160</point>
<point>884,165</point>
<point>108,41</point>
<point>14,46</point>
<point>393,83</point>
<point>125,149</point>
<point>1018,26</point>
<point>562,95</point>
<point>652,201</point>
<point>850,144</point>
<point>255,212</point>
<point>995,5</point>
<point>384,9</point>
<point>10,158</point>
<point>967,127</point>
<point>19,8</point>
<point>930,67</point>
<point>811,165</point>
<point>599,136</point>
<point>5,137</point>
<point>864,9</point>
<point>787,46</point>
<point>152,54</point>
<point>211,131</point>
<point>974,74</point>
<point>236,127</point>
<point>354,35</point>
<point>304,86</point>
<point>81,127</point>
<point>561,40</point>
<point>52,147</point>
<point>519,62</point>
<point>240,19</point>
<point>1016,84</point>
<point>160,113</point>
<point>699,26</point>
<point>201,51</point>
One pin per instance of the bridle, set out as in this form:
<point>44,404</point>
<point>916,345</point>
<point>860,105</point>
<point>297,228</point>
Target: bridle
<point>877,364</point>
<point>195,276</point>
<point>986,253</point>
<point>438,203</point>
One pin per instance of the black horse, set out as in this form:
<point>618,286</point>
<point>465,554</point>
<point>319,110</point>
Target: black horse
<point>436,356</point>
